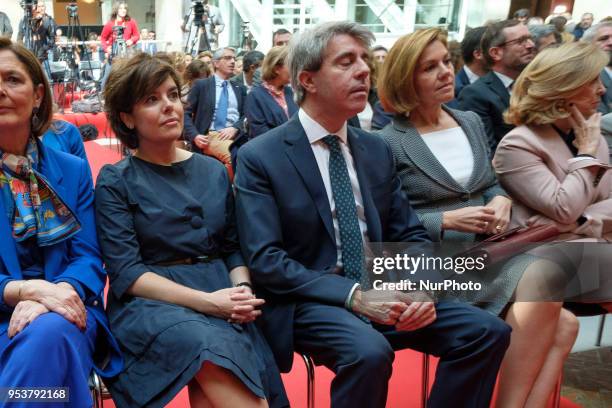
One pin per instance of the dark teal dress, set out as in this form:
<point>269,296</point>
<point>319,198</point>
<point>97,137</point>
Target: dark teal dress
<point>149,214</point>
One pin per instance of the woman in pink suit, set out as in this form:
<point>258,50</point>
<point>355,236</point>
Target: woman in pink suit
<point>556,163</point>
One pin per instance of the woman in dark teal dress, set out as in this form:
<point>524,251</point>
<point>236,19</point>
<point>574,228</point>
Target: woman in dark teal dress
<point>180,300</point>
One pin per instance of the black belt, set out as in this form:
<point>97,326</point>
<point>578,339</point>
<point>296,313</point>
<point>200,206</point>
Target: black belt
<point>189,261</point>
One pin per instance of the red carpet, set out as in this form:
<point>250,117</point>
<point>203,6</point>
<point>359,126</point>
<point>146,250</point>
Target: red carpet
<point>404,387</point>
<point>405,384</point>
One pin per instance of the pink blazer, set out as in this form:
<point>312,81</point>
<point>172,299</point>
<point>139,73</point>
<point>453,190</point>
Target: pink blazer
<point>535,166</point>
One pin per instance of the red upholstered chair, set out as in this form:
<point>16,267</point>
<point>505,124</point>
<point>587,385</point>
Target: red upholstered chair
<point>99,120</point>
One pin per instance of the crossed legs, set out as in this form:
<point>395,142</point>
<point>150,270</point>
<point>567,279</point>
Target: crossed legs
<point>214,386</point>
<point>542,337</point>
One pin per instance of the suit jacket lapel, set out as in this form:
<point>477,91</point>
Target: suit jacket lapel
<point>498,87</point>
<point>53,173</point>
<point>480,157</point>
<point>301,155</point>
<point>360,158</point>
<point>8,250</point>
<point>212,96</point>
<point>417,151</point>
<point>238,94</point>
<point>463,78</point>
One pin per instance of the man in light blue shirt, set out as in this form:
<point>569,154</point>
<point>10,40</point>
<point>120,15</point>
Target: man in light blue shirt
<point>214,115</point>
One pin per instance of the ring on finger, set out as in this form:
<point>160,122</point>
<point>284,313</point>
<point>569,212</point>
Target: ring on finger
<point>498,228</point>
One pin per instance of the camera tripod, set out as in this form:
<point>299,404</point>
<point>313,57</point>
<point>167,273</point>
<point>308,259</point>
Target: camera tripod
<point>247,43</point>
<point>197,37</point>
<point>68,56</point>
<point>28,21</point>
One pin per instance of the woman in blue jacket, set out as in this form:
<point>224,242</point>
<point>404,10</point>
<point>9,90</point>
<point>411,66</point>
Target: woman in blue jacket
<point>53,330</point>
<point>270,104</point>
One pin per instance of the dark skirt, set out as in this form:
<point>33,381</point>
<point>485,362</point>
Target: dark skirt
<point>165,345</point>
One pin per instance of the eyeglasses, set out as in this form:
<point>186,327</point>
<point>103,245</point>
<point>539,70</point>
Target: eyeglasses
<point>228,58</point>
<point>520,41</point>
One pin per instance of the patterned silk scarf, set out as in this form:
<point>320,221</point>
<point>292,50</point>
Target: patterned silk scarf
<point>34,208</point>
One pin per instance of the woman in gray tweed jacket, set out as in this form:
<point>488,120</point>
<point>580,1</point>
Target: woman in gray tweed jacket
<point>443,160</point>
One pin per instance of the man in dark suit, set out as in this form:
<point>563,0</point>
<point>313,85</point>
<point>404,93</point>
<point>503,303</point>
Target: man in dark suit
<point>251,74</point>
<point>474,64</point>
<point>309,194</point>
<point>601,35</point>
<point>508,48</point>
<point>214,115</point>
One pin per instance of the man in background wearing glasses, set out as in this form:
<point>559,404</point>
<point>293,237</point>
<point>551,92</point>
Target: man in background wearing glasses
<point>507,48</point>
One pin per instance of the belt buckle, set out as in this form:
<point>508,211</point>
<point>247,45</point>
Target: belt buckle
<point>201,259</point>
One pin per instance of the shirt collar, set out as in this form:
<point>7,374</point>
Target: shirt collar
<point>609,72</point>
<point>219,80</point>
<point>506,80</point>
<point>315,132</point>
<point>472,77</point>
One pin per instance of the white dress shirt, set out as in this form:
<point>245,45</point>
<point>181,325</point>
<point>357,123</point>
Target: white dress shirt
<point>472,77</point>
<point>315,133</point>
<point>232,103</point>
<point>453,150</point>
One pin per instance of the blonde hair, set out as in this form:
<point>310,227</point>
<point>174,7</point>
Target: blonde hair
<point>555,75</point>
<point>275,57</point>
<point>396,79</point>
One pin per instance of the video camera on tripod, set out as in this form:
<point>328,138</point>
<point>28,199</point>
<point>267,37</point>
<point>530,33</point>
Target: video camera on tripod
<point>28,5</point>
<point>72,9</point>
<point>201,13</point>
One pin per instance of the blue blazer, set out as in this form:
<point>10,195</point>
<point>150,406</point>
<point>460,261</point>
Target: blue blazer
<point>262,111</point>
<point>200,109</point>
<point>461,81</point>
<point>286,228</point>
<point>489,99</point>
<point>77,258</point>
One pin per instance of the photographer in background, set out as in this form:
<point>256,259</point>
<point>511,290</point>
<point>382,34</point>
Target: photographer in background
<point>6,30</point>
<point>42,31</point>
<point>204,21</point>
<point>119,36</point>
<point>120,27</point>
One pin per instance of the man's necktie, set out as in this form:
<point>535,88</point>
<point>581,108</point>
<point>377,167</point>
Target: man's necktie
<point>221,118</point>
<point>346,212</point>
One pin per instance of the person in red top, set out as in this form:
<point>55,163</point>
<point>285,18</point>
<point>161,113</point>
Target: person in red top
<point>119,17</point>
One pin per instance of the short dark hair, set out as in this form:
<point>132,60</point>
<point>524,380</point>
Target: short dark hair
<point>559,23</point>
<point>37,76</point>
<point>280,31</point>
<point>471,43</point>
<point>494,37</point>
<point>379,48</point>
<point>195,70</point>
<point>129,82</point>
<point>251,58</point>
<point>522,13</point>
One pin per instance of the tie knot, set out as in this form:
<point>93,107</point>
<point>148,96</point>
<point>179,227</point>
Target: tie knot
<point>224,84</point>
<point>332,142</point>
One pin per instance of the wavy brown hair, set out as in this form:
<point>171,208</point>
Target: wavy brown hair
<point>129,82</point>
<point>396,79</point>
